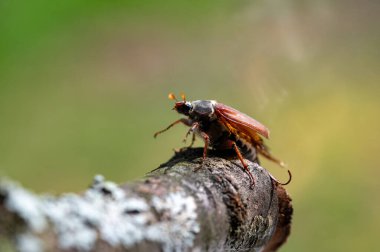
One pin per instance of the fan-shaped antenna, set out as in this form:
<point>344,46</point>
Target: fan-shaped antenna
<point>171,96</point>
<point>183,97</point>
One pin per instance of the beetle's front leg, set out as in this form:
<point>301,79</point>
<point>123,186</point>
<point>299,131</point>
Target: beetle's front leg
<point>192,139</point>
<point>206,139</point>
<point>186,121</point>
<point>194,126</point>
<point>187,134</point>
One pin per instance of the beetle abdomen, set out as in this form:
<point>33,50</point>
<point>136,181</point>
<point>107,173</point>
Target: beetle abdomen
<point>247,149</point>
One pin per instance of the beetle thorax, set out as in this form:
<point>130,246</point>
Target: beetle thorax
<point>202,109</point>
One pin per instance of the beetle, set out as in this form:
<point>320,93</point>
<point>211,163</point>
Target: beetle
<point>222,128</point>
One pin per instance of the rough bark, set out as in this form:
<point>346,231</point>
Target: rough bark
<point>177,207</point>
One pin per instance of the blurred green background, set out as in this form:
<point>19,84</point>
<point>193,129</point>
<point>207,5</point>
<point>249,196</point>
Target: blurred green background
<point>84,84</point>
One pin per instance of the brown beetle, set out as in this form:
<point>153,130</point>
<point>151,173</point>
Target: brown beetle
<point>222,127</point>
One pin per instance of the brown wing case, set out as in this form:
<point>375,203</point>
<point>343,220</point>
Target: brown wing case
<point>240,121</point>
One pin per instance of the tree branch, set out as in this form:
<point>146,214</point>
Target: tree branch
<point>177,207</point>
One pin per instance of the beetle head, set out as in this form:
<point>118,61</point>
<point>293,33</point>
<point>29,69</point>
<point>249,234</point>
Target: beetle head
<point>182,107</point>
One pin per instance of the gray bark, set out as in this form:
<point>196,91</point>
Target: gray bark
<point>176,207</point>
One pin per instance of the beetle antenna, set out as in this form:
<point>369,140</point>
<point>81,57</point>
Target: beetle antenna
<point>183,97</point>
<point>171,96</point>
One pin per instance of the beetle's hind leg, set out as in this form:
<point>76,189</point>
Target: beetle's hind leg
<point>240,156</point>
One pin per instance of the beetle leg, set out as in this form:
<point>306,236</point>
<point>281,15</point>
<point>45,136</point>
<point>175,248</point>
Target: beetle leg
<point>185,121</point>
<point>185,138</point>
<point>240,156</point>
<point>192,138</point>
<point>191,130</point>
<point>206,139</point>
<point>187,134</point>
